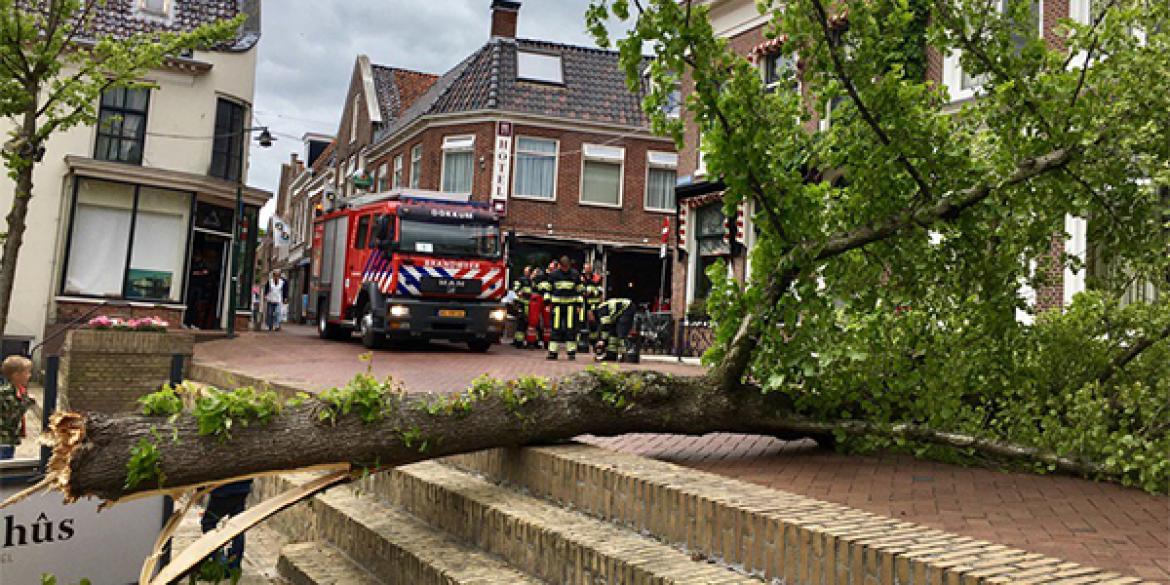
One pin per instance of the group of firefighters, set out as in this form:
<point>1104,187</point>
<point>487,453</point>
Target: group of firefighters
<point>561,307</point>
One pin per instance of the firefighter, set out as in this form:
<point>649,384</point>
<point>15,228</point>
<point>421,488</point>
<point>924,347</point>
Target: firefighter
<point>538,329</point>
<point>522,286</point>
<point>592,293</point>
<point>565,286</point>
<point>615,318</point>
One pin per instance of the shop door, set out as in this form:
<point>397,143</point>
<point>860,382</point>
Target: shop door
<point>635,276</point>
<point>209,255</point>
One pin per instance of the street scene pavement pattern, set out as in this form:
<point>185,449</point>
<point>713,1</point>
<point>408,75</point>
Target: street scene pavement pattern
<point>1099,524</point>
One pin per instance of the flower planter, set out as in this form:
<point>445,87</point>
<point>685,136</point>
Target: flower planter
<point>108,370</point>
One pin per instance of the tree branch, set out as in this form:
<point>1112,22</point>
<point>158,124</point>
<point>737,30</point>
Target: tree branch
<point>1131,354</point>
<point>870,120</point>
<point>1088,54</point>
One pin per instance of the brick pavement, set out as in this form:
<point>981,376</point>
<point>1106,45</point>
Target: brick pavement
<point>1097,524</point>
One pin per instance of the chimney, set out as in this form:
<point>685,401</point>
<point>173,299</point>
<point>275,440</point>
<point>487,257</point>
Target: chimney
<point>504,15</point>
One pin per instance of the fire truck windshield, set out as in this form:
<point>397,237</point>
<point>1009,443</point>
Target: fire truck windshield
<point>449,239</point>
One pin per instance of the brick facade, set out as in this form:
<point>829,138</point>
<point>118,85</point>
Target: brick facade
<point>107,371</point>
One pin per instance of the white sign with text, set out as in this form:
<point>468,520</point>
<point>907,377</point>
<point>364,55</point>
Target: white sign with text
<point>502,163</point>
<point>43,535</point>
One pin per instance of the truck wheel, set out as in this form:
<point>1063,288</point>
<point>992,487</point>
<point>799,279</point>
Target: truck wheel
<point>479,345</point>
<point>370,338</point>
<point>325,329</point>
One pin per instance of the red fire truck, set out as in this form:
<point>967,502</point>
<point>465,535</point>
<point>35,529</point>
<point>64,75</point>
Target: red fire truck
<point>409,265</point>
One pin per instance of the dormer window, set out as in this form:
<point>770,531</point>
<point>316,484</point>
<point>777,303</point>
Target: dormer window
<point>540,67</point>
<point>157,8</point>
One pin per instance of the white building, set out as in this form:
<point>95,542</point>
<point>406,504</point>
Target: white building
<point>139,210</point>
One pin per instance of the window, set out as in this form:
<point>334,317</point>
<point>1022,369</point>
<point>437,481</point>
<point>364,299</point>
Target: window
<point>127,241</point>
<point>540,67</point>
<point>701,163</point>
<point>397,172</point>
<point>673,106</point>
<point>458,163</point>
<point>383,177</point>
<point>363,232</point>
<point>660,180</point>
<point>155,7</point>
<point>833,106</point>
<point>536,168</point>
<point>710,244</point>
<point>121,130</point>
<point>415,166</point>
<point>227,149</point>
<point>445,239</point>
<point>353,120</point>
<point>601,175</point>
<point>963,85</point>
<point>780,71</point>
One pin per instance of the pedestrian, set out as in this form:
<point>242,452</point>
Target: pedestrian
<point>274,294</point>
<point>256,306</point>
<point>224,502</point>
<point>565,286</point>
<point>14,402</point>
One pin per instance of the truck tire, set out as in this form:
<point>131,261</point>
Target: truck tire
<point>479,345</point>
<point>371,339</point>
<point>325,329</point>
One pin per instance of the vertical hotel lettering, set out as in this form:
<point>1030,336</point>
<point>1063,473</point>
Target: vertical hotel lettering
<point>502,163</point>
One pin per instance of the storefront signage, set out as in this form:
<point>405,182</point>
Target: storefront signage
<point>502,163</point>
<point>42,535</point>
<point>213,217</point>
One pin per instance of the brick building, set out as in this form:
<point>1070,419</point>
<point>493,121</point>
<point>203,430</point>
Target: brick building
<point>706,235</point>
<point>549,133</point>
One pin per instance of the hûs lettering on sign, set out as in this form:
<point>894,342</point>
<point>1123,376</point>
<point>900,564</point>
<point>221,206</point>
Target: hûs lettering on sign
<point>42,531</point>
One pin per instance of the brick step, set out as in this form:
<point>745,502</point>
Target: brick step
<point>538,537</point>
<point>778,535</point>
<point>390,544</point>
<point>318,563</point>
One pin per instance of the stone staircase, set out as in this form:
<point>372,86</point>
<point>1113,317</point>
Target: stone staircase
<point>581,515</point>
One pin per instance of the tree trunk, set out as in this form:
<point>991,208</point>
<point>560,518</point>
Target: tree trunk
<point>17,216</point>
<point>92,452</point>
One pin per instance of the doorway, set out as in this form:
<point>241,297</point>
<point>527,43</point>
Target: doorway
<point>636,275</point>
<point>205,289</point>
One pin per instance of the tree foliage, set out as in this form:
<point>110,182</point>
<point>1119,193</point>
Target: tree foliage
<point>895,244</point>
<point>53,70</point>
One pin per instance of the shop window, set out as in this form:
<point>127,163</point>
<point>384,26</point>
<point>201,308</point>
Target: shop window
<point>458,163</point>
<point>227,148</point>
<point>121,130</point>
<point>601,175</point>
<point>536,168</point>
<point>661,177</point>
<point>127,242</point>
<point>415,166</point>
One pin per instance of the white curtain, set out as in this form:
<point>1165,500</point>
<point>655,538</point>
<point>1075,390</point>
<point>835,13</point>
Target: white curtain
<point>660,189</point>
<point>536,167</point>
<point>602,183</point>
<point>101,237</point>
<point>457,169</point>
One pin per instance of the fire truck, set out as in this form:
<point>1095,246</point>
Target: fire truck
<point>409,265</point>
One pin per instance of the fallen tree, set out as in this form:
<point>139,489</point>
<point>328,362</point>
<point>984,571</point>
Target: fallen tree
<point>892,251</point>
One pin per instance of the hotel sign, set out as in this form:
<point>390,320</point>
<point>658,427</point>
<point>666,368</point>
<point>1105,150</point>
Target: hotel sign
<point>502,162</point>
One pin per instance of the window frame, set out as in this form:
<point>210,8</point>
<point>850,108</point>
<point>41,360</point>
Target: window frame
<point>353,118</point>
<point>143,9</point>
<point>556,168</point>
<point>650,166</point>
<point>184,270</point>
<point>560,81</point>
<point>449,146</point>
<point>361,236</point>
<point>600,158</point>
<point>381,180</point>
<point>236,145</point>
<point>952,66</point>
<point>765,71</point>
<point>122,111</point>
<point>415,166</point>
<point>396,180</point>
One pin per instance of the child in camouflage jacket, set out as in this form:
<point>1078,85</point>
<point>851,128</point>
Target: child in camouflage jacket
<point>14,402</point>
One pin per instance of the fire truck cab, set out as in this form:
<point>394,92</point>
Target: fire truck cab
<point>409,265</point>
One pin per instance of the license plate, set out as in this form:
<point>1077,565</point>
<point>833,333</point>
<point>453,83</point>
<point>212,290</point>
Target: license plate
<point>452,313</point>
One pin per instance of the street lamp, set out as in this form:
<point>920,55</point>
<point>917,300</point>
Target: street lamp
<point>265,140</point>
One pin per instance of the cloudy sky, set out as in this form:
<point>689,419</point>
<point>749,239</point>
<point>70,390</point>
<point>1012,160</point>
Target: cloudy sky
<point>308,47</point>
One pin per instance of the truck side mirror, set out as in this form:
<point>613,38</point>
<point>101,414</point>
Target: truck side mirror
<point>384,232</point>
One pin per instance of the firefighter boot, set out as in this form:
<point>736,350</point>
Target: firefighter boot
<point>552,351</point>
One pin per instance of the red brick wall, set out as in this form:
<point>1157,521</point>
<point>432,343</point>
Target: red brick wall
<point>568,217</point>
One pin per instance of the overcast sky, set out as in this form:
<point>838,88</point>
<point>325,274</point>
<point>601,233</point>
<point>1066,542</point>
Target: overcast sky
<point>308,47</point>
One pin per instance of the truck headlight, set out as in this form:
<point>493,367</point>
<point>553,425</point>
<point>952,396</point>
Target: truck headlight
<point>498,315</point>
<point>399,311</point>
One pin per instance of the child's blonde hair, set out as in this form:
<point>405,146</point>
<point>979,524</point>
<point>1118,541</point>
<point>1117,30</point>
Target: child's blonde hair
<point>15,363</point>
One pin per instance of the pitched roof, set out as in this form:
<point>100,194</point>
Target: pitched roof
<point>397,89</point>
<point>121,19</point>
<point>594,88</point>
